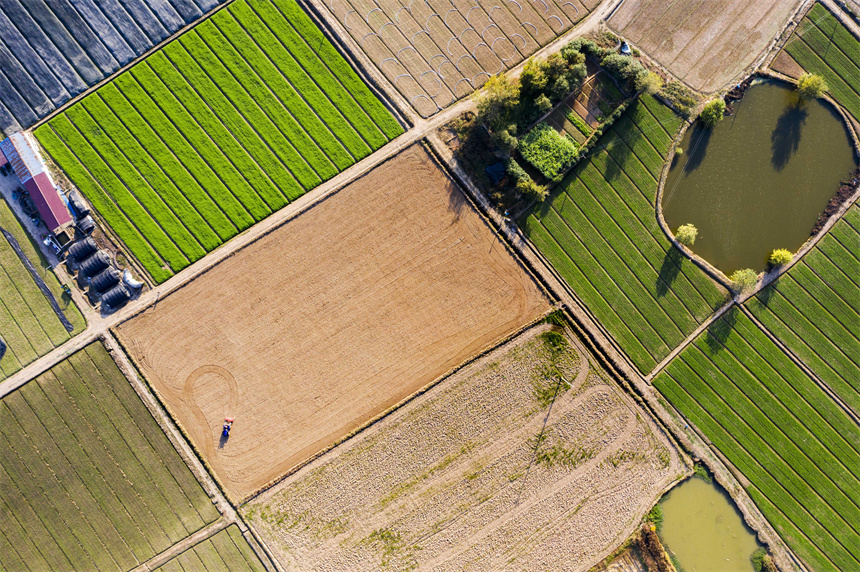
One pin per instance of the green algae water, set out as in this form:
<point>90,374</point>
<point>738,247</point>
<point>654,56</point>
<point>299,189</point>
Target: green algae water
<point>760,178</point>
<point>704,530</point>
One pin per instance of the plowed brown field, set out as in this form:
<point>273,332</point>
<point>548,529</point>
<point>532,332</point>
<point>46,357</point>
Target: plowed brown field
<point>706,43</point>
<point>318,327</point>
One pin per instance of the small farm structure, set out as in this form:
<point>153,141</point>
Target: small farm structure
<point>52,51</point>
<point>435,52</point>
<point>26,161</point>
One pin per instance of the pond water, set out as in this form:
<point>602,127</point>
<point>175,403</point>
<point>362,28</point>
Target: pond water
<point>760,178</point>
<point>705,531</point>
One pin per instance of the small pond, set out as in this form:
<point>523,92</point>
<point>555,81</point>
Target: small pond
<point>705,531</point>
<point>760,178</point>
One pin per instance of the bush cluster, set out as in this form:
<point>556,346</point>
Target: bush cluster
<point>713,112</point>
<point>744,280</point>
<point>524,184</point>
<point>780,256</point>
<point>551,154</point>
<point>651,549</point>
<point>811,86</point>
<point>681,97</point>
<point>686,234</point>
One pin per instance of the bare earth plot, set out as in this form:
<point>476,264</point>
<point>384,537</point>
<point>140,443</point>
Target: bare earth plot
<point>330,320</point>
<point>88,479</point>
<point>705,43</point>
<point>436,51</point>
<point>528,459</point>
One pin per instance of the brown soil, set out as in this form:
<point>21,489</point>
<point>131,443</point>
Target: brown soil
<point>845,192</point>
<point>705,43</point>
<point>785,64</point>
<point>479,473</point>
<point>318,327</point>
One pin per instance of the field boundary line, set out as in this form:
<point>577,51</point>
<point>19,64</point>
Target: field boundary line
<point>185,544</point>
<point>690,339</point>
<point>823,386</point>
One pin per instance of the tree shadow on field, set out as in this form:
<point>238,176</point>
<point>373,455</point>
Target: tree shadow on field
<point>618,152</point>
<point>456,201</point>
<point>720,330</point>
<point>699,141</point>
<point>785,138</point>
<point>669,270</point>
<point>763,296</point>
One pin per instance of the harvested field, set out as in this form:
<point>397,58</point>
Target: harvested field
<point>821,44</point>
<point>89,480</point>
<point>435,52</point>
<point>29,326</point>
<point>52,51</point>
<point>814,309</point>
<point>797,449</point>
<point>529,459</point>
<point>599,230</point>
<point>705,43</point>
<point>225,551</point>
<point>331,319</point>
<point>230,122</point>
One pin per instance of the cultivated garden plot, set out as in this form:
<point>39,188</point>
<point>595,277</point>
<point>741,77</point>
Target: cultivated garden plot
<point>89,480</point>
<point>223,126</point>
<point>52,51</point>
<point>582,111</point>
<point>331,319</point>
<point>529,459</point>
<point>814,309</point>
<point>599,230</point>
<point>224,551</point>
<point>822,45</point>
<point>435,52</point>
<point>798,450</point>
<point>29,325</point>
<point>705,43</point>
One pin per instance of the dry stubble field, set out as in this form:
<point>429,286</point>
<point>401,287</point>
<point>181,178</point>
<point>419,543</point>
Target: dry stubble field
<point>330,320</point>
<point>480,472</point>
<point>705,43</point>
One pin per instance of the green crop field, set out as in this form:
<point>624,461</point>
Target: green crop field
<point>226,550</point>
<point>29,326</point>
<point>797,448</point>
<point>89,480</point>
<point>814,309</point>
<point>599,230</point>
<point>822,45</point>
<point>210,134</point>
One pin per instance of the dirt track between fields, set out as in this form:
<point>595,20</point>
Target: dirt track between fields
<point>452,482</point>
<point>308,333</point>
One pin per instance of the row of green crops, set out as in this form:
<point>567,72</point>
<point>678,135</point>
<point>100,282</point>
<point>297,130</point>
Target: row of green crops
<point>550,153</point>
<point>822,45</point>
<point>799,451</point>
<point>225,550</point>
<point>236,118</point>
<point>29,327</point>
<point>814,309</point>
<point>90,482</point>
<point>599,230</point>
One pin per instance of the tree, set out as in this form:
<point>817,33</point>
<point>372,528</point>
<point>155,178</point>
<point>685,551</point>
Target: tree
<point>780,256</point>
<point>713,112</point>
<point>686,234</point>
<point>811,86</point>
<point>649,83</point>
<point>531,189</point>
<point>498,101</point>
<point>744,280</point>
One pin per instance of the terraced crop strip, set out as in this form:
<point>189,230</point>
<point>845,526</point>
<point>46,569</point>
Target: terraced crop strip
<point>29,327</point>
<point>797,448</point>
<point>214,132</point>
<point>53,50</point>
<point>599,230</point>
<point>815,309</point>
<point>89,480</point>
<point>822,45</point>
<point>225,551</point>
<point>436,51</point>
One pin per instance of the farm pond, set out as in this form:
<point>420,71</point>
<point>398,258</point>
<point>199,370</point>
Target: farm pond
<point>704,530</point>
<point>760,178</point>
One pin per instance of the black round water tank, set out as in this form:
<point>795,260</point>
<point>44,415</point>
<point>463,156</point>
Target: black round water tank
<point>104,280</point>
<point>115,296</point>
<point>82,249</point>
<point>95,263</point>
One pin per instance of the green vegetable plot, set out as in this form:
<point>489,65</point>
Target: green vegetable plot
<point>599,230</point>
<point>217,130</point>
<point>225,551</point>
<point>797,448</point>
<point>90,482</point>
